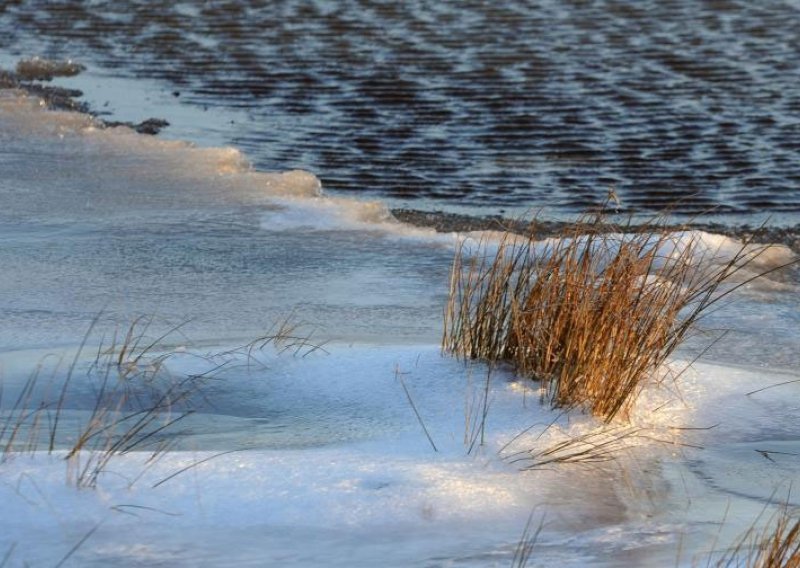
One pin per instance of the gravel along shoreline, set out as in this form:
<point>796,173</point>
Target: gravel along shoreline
<point>33,78</point>
<point>454,222</point>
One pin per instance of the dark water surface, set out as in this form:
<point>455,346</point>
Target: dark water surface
<point>503,104</point>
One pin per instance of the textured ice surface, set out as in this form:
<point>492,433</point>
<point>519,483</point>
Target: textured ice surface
<point>332,467</point>
<point>107,220</point>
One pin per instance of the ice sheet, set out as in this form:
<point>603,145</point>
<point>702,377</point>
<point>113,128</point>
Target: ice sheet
<point>360,481</point>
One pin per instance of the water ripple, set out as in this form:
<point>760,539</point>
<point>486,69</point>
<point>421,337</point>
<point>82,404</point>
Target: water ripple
<point>540,104</point>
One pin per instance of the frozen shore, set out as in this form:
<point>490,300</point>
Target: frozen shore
<point>447,222</point>
<point>58,98</point>
<point>331,462</point>
<point>65,99</point>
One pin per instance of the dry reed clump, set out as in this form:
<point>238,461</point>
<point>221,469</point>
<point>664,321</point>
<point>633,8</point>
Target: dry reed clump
<point>590,314</point>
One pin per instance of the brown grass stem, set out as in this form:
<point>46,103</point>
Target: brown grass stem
<point>399,376</point>
<point>777,545</point>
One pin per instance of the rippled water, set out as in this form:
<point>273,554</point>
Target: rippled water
<point>534,104</point>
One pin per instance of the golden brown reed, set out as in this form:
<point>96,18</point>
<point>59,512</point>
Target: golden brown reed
<point>775,546</point>
<point>592,314</point>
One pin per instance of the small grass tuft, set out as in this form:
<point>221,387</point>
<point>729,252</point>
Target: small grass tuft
<point>135,400</point>
<point>776,546</point>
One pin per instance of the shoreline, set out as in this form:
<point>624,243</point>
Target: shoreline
<point>444,222</point>
<point>64,99</point>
